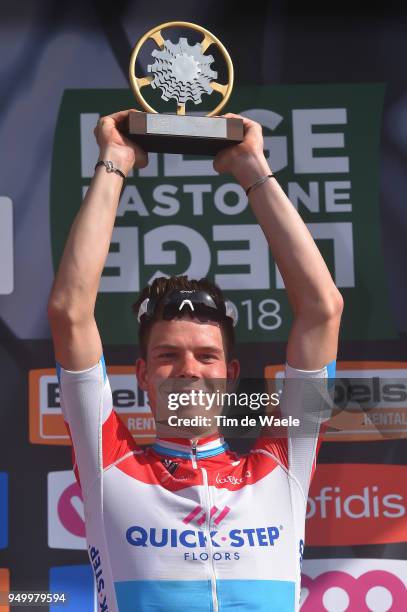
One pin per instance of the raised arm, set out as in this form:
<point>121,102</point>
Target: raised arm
<point>316,302</point>
<point>72,301</point>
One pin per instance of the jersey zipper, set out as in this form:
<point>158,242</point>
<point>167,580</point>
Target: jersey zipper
<point>207,510</point>
<point>194,463</point>
<point>208,539</point>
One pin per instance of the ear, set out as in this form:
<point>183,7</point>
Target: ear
<point>141,373</point>
<point>233,369</point>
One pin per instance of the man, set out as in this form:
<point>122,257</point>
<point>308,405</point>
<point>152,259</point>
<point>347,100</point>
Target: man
<point>187,524</point>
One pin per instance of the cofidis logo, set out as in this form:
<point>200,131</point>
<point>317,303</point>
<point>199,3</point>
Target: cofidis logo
<point>46,423</point>
<point>3,510</point>
<point>353,584</point>
<point>4,585</point>
<point>353,504</point>
<point>66,515</point>
<point>370,399</point>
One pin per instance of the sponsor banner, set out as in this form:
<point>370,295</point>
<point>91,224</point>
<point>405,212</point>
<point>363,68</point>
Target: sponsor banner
<point>46,423</point>
<point>370,400</point>
<point>66,515</point>
<point>178,216</point>
<point>357,504</point>
<point>3,510</point>
<point>4,586</point>
<point>77,582</point>
<point>355,585</point>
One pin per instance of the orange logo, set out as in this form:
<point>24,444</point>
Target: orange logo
<point>46,423</point>
<point>4,586</point>
<point>370,400</point>
<point>354,504</point>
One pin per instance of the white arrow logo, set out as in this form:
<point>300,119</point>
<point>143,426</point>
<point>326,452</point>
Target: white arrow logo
<point>186,302</point>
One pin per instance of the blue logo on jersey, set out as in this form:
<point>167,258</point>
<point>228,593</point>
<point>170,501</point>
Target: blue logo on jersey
<point>3,510</point>
<point>100,581</point>
<point>189,538</point>
<point>77,582</point>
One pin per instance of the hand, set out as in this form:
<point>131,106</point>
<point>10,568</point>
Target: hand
<point>246,160</point>
<point>115,146</point>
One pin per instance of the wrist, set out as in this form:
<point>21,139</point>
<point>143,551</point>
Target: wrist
<point>247,171</point>
<point>110,168</point>
<point>121,159</point>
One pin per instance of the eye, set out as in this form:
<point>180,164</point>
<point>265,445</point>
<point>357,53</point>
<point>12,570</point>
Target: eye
<point>167,355</point>
<point>208,356</point>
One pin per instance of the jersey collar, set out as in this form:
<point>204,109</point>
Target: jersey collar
<point>203,448</point>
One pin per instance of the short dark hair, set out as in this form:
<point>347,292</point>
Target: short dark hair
<point>160,287</point>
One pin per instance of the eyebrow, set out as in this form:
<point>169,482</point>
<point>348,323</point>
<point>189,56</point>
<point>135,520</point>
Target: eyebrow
<point>209,348</point>
<point>160,347</point>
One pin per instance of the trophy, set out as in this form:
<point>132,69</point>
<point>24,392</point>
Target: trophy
<point>183,73</point>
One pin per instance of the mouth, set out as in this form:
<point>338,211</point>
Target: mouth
<point>175,386</point>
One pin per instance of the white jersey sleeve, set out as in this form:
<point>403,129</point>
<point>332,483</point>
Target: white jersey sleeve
<point>305,397</point>
<point>98,435</point>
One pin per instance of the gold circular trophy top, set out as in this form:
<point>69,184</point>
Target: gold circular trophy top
<point>185,63</point>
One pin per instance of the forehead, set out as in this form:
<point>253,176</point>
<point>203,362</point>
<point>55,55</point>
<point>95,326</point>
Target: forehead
<point>186,333</point>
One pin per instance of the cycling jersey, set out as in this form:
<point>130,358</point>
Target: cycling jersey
<point>178,526</point>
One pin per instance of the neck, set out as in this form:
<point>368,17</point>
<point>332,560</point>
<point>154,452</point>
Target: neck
<point>195,440</point>
<point>201,446</point>
<point>186,433</point>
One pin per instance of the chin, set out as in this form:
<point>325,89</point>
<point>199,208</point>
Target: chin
<point>180,431</point>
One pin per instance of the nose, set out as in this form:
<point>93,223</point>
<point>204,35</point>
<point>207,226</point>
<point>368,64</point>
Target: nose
<point>187,366</point>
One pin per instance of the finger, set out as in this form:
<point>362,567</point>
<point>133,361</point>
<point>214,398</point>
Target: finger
<point>232,116</point>
<point>246,122</point>
<point>143,163</point>
<point>235,116</point>
<point>252,128</point>
<point>121,115</point>
<point>117,119</point>
<point>103,121</point>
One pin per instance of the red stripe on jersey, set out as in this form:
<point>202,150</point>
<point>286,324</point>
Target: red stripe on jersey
<point>277,446</point>
<point>75,465</point>
<point>319,442</point>
<point>148,467</point>
<point>117,441</point>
